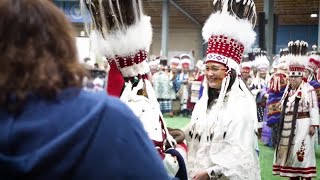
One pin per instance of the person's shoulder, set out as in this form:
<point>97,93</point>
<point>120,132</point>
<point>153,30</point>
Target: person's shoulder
<point>112,104</point>
<point>308,86</point>
<point>111,109</point>
<point>94,101</point>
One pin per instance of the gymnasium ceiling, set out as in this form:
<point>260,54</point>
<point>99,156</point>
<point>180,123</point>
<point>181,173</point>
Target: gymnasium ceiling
<point>291,12</point>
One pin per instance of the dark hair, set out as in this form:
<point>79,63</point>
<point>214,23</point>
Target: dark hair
<point>313,75</point>
<point>86,59</point>
<point>37,52</point>
<point>214,93</point>
<point>110,13</point>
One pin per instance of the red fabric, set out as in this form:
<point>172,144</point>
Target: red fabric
<point>159,148</point>
<point>246,69</point>
<point>131,60</point>
<point>296,67</point>
<point>190,105</point>
<point>225,46</point>
<point>185,65</point>
<point>158,144</point>
<point>200,78</point>
<point>274,87</point>
<point>313,64</point>
<point>183,146</point>
<point>304,79</point>
<point>294,170</point>
<point>115,81</point>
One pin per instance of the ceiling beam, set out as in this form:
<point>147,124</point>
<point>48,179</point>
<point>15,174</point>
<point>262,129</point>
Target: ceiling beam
<point>185,13</point>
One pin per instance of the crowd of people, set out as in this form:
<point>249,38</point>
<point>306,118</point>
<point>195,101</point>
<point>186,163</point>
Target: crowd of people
<point>177,86</point>
<point>56,126</point>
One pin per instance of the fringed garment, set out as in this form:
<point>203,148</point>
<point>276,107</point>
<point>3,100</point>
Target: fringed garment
<point>295,155</point>
<point>223,139</point>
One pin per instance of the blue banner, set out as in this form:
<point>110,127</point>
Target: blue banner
<point>72,11</point>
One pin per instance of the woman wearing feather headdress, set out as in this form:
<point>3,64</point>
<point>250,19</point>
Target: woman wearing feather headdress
<point>123,34</point>
<point>295,156</point>
<point>221,136</point>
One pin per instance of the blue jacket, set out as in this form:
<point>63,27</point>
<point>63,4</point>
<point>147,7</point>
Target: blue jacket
<point>79,135</point>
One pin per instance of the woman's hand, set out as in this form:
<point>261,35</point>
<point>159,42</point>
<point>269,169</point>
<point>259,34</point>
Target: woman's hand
<point>312,130</point>
<point>201,175</point>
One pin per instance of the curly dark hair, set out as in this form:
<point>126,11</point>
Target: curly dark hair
<point>38,53</point>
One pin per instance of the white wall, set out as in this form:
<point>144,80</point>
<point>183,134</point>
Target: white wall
<point>180,40</point>
<point>83,47</point>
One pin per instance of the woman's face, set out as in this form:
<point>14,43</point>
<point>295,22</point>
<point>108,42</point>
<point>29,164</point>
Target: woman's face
<point>245,75</point>
<point>215,72</point>
<point>174,69</point>
<point>306,73</point>
<point>295,81</point>
<point>263,73</point>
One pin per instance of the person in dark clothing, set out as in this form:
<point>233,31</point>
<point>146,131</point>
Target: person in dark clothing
<point>50,128</point>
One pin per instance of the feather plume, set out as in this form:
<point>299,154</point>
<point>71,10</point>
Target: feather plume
<point>314,47</point>
<point>112,15</point>
<point>284,52</point>
<point>298,48</point>
<point>242,9</point>
<point>119,27</point>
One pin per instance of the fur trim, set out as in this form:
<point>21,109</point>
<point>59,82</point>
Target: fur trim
<point>282,62</point>
<point>174,60</point>
<point>154,64</point>
<point>309,64</point>
<point>315,57</point>
<point>185,56</point>
<point>261,62</point>
<point>227,25</point>
<point>134,70</point>
<point>296,60</point>
<point>185,61</point>
<point>248,64</point>
<point>124,42</point>
<point>297,64</point>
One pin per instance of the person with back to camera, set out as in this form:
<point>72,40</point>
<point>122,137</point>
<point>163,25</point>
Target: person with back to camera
<point>49,127</point>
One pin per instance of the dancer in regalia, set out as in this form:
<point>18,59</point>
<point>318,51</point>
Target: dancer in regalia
<point>123,33</point>
<point>295,156</point>
<point>221,136</point>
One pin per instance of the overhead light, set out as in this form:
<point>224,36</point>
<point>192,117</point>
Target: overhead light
<point>314,15</point>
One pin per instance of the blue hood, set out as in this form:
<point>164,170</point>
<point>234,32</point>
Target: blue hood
<point>80,135</point>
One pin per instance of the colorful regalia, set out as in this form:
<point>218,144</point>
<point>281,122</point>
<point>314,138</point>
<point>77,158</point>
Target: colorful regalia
<point>123,34</point>
<point>295,155</point>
